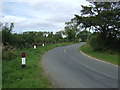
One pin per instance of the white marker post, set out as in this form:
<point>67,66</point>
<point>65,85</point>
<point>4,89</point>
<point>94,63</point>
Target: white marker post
<point>43,45</point>
<point>23,60</point>
<point>34,46</point>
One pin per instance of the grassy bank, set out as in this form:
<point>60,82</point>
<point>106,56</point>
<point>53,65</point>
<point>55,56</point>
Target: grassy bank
<point>111,58</point>
<point>13,76</point>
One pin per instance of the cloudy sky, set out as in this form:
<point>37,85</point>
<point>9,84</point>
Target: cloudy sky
<point>40,15</point>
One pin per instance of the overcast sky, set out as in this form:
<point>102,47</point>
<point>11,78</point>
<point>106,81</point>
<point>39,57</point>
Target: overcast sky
<point>40,15</point>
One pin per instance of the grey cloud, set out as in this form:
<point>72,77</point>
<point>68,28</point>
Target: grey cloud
<point>57,12</point>
<point>49,16</point>
<point>55,8</point>
<point>59,19</point>
<point>39,26</point>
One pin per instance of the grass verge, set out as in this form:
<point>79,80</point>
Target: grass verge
<point>13,76</point>
<point>105,56</point>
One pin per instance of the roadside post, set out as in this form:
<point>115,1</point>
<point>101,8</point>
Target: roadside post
<point>23,60</point>
<point>43,44</point>
<point>34,46</point>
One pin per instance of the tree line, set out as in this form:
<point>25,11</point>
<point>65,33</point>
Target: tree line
<point>102,18</point>
<point>27,39</point>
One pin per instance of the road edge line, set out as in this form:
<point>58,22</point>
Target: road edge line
<point>98,59</point>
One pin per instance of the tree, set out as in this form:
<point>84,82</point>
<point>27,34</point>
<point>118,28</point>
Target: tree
<point>50,34</point>
<point>6,33</point>
<point>102,17</point>
<point>83,35</point>
<point>58,36</point>
<point>71,30</point>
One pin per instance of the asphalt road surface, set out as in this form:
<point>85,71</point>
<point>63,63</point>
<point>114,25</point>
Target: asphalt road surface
<point>66,67</point>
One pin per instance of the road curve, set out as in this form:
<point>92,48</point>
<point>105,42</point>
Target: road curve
<point>66,67</point>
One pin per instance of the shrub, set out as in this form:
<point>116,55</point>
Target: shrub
<point>95,42</point>
<point>8,55</point>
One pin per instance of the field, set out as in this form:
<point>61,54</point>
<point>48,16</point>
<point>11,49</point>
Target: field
<point>14,76</point>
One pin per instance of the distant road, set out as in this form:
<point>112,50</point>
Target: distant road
<point>66,67</point>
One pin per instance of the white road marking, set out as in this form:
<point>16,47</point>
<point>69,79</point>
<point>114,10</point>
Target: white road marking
<point>64,50</point>
<point>90,67</point>
<point>93,69</point>
<point>98,59</point>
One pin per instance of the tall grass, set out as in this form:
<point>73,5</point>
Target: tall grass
<point>13,76</point>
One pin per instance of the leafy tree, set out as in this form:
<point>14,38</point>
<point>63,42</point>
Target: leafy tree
<point>17,41</point>
<point>58,36</point>
<point>102,17</point>
<point>83,35</point>
<point>95,42</point>
<point>71,30</point>
<point>6,33</point>
<point>50,34</point>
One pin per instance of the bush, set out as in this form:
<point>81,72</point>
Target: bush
<point>8,55</point>
<point>95,42</point>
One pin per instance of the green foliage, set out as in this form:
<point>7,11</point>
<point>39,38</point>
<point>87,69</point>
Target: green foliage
<point>95,42</point>
<point>27,39</point>
<point>13,76</point>
<point>6,35</point>
<point>58,37</point>
<point>83,35</point>
<point>71,31</point>
<point>108,57</point>
<point>9,55</point>
<point>103,17</point>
